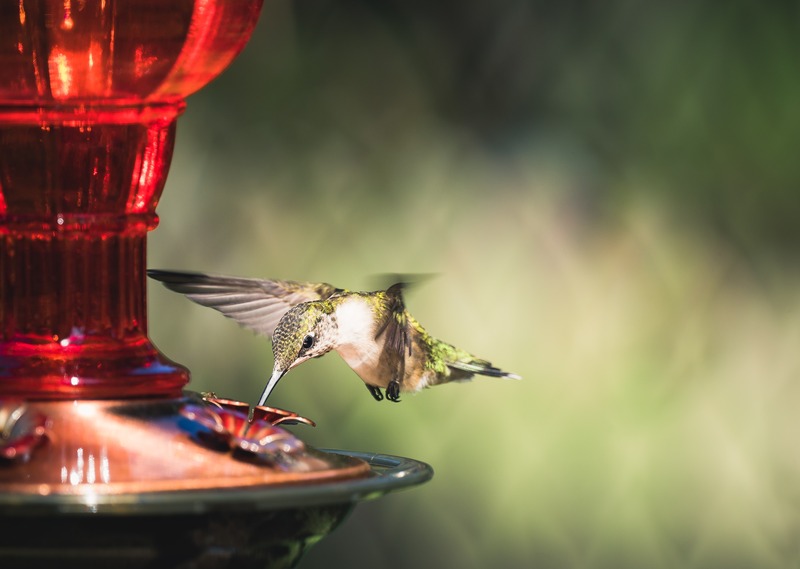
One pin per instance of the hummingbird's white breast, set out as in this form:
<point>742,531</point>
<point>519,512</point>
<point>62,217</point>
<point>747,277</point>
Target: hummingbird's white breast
<point>357,344</point>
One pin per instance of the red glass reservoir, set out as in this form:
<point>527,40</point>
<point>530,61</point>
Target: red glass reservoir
<point>89,94</point>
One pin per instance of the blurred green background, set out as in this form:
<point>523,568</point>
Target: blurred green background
<point>608,194</point>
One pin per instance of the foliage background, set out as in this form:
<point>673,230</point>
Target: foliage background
<point>608,194</point>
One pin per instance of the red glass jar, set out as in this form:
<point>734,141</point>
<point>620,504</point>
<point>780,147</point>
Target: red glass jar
<point>89,95</point>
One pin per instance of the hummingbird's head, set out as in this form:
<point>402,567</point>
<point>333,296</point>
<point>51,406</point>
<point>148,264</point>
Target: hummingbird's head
<point>306,331</point>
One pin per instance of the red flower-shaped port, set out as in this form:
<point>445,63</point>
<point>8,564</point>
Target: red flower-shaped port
<point>224,425</point>
<point>21,431</point>
<point>261,412</point>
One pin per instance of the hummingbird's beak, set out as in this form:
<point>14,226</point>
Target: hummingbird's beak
<point>273,381</point>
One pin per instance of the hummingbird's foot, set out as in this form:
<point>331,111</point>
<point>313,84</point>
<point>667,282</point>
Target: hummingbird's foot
<point>375,392</point>
<point>393,391</point>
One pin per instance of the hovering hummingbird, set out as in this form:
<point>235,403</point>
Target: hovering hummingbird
<point>372,331</point>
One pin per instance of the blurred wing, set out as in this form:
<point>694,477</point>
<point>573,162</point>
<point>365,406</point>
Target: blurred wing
<point>406,281</point>
<point>257,304</point>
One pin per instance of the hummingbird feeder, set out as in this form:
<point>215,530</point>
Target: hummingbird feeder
<point>103,455</point>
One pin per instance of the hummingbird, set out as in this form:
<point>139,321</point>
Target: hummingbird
<point>372,331</point>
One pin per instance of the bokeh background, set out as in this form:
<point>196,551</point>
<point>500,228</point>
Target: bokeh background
<point>608,195</point>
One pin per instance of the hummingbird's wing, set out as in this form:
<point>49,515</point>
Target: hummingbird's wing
<point>395,321</point>
<point>257,304</point>
<point>396,328</point>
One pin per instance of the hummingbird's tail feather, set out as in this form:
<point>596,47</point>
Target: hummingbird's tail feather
<point>482,367</point>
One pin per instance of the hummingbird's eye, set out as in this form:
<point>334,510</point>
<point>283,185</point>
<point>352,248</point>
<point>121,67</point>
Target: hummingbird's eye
<point>308,341</point>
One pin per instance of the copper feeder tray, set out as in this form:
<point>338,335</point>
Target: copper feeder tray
<point>134,484</point>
